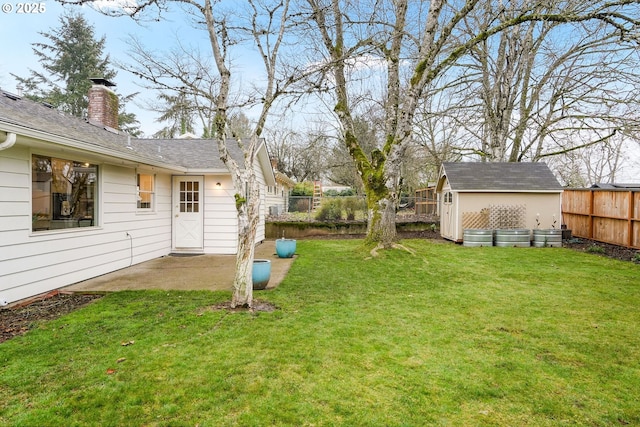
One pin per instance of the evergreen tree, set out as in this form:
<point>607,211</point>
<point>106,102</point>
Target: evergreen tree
<point>69,57</point>
<point>178,111</point>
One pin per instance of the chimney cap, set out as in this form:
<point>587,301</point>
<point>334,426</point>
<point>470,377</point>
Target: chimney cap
<point>101,81</point>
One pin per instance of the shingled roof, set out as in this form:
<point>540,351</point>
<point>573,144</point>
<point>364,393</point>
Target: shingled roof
<point>470,176</point>
<point>616,186</point>
<point>41,121</point>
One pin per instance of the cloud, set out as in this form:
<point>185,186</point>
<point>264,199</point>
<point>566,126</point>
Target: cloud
<point>115,7</point>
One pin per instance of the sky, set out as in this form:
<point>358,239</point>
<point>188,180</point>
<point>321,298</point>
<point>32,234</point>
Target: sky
<point>18,31</point>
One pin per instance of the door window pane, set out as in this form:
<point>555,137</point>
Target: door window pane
<point>189,196</point>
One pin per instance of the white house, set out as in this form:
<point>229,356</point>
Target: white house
<point>278,195</point>
<point>80,199</point>
<point>497,195</point>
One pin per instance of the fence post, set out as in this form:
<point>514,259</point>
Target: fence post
<point>630,218</point>
<point>590,221</point>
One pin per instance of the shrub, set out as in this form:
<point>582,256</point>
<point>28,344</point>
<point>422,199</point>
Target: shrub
<point>352,205</point>
<point>300,204</point>
<point>595,249</point>
<point>330,210</point>
<point>302,189</point>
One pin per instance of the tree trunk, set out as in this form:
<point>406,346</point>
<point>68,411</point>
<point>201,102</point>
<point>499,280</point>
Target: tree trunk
<point>381,186</point>
<point>248,216</point>
<point>381,228</point>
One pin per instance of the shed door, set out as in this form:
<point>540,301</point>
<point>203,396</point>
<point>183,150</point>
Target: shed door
<point>188,230</point>
<point>447,215</point>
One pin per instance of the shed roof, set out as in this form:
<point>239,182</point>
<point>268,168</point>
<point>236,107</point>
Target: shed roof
<point>503,176</point>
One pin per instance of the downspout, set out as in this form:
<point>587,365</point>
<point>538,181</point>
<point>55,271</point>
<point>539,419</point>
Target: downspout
<point>9,140</point>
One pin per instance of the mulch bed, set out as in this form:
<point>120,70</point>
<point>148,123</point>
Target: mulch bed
<point>20,319</point>
<point>603,249</point>
<point>258,306</point>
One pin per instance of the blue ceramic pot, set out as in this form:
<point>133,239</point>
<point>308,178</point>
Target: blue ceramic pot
<point>261,273</point>
<point>285,248</point>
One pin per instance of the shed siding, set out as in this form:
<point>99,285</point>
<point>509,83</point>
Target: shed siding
<point>33,263</point>
<point>545,204</point>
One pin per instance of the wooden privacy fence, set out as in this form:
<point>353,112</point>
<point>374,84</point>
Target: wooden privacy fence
<point>611,216</point>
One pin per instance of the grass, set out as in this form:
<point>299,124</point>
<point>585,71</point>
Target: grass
<point>452,336</point>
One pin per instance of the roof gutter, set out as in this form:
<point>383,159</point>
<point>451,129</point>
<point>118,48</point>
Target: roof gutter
<point>10,139</point>
<point>75,145</point>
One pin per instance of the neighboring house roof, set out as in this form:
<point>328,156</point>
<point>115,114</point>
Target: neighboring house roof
<point>470,176</point>
<point>39,121</point>
<point>616,186</point>
<point>284,180</point>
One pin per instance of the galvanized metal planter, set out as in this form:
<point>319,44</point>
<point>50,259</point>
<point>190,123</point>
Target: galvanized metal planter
<point>550,237</point>
<point>516,237</point>
<point>477,237</point>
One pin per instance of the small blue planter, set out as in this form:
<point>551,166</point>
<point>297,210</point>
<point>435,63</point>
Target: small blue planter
<point>261,273</point>
<point>285,248</point>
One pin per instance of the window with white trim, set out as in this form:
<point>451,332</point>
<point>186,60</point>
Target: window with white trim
<point>63,193</point>
<point>146,191</point>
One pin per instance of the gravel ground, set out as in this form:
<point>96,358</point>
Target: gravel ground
<point>18,320</point>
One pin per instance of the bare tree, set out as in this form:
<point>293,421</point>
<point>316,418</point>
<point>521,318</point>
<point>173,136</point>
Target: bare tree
<point>185,83</point>
<point>591,164</point>
<point>444,125</point>
<point>417,43</point>
<point>263,23</point>
<point>548,88</point>
<point>300,154</point>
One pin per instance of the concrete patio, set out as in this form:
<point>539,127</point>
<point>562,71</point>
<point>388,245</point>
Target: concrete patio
<point>179,272</point>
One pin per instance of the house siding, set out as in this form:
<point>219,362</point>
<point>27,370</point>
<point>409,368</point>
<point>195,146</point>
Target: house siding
<point>278,199</point>
<point>260,232</point>
<point>32,263</point>
<point>14,195</point>
<point>220,219</point>
<point>220,214</point>
<point>36,262</point>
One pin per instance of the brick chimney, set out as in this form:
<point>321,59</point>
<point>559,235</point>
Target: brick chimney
<point>103,103</point>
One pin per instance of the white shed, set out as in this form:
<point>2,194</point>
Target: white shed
<point>497,195</point>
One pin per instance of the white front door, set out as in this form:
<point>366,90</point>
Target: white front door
<point>188,230</point>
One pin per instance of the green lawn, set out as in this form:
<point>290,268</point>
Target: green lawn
<point>451,336</point>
